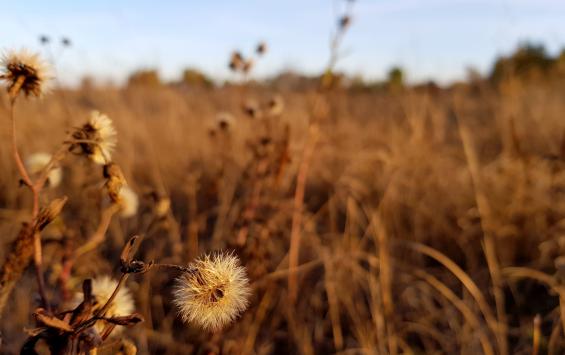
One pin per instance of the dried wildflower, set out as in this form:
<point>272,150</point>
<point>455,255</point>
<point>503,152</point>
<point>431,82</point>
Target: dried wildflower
<point>24,72</point>
<point>252,109</point>
<point>224,120</point>
<point>261,48</point>
<point>35,164</point>
<point>214,292</point>
<point>43,39</point>
<point>102,289</point>
<point>128,201</point>
<point>115,180</point>
<point>96,139</point>
<point>247,66</point>
<point>344,22</point>
<point>236,61</point>
<point>276,105</point>
<point>66,42</point>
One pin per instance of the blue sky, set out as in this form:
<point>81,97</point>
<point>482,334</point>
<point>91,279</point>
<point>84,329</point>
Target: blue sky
<point>435,39</point>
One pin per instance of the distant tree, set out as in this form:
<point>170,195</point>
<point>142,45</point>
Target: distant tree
<point>528,60</point>
<point>395,78</point>
<point>194,77</point>
<point>144,77</point>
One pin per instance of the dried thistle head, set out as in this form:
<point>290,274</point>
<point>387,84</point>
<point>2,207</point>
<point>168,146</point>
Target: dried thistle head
<point>252,109</point>
<point>276,105</point>
<point>214,292</point>
<point>35,164</point>
<point>24,72</point>
<point>344,22</point>
<point>102,289</point>
<point>236,61</point>
<point>261,48</point>
<point>224,120</point>
<point>128,201</point>
<point>115,180</point>
<point>96,139</point>
<point>247,66</point>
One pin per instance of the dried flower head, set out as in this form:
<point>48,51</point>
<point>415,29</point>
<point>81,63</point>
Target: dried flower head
<point>247,66</point>
<point>35,164</point>
<point>102,289</point>
<point>115,180</point>
<point>214,292</point>
<point>276,105</point>
<point>236,61</point>
<point>224,120</point>
<point>24,72</point>
<point>129,202</point>
<point>261,48</point>
<point>252,109</point>
<point>97,138</point>
<point>344,22</point>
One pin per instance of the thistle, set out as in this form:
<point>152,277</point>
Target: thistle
<point>213,292</point>
<point>24,72</point>
<point>96,139</point>
<point>102,289</point>
<point>35,164</point>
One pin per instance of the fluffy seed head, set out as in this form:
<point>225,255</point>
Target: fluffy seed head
<point>214,292</point>
<point>24,72</point>
<point>97,138</point>
<point>129,202</point>
<point>35,164</point>
<point>102,289</point>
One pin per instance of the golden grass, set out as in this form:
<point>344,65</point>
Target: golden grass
<point>403,222</point>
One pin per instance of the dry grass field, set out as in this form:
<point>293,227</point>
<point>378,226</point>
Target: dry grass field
<point>410,220</point>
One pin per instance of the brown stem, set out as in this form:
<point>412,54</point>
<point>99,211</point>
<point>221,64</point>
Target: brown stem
<point>37,258</point>
<point>296,233</point>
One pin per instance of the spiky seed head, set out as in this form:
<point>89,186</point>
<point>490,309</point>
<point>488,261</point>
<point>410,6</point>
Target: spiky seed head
<point>96,139</point>
<point>252,109</point>
<point>214,293</point>
<point>102,289</point>
<point>129,202</point>
<point>35,164</point>
<point>25,72</point>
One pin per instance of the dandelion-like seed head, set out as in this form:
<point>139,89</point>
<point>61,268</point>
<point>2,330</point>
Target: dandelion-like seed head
<point>102,289</point>
<point>97,138</point>
<point>35,164</point>
<point>129,202</point>
<point>24,72</point>
<point>214,292</point>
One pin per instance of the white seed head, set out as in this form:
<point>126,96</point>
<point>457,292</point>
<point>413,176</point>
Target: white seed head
<point>214,293</point>
<point>24,72</point>
<point>35,164</point>
<point>129,202</point>
<point>106,137</point>
<point>102,289</point>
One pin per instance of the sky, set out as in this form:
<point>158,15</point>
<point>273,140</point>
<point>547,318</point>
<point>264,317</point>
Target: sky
<point>430,39</point>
